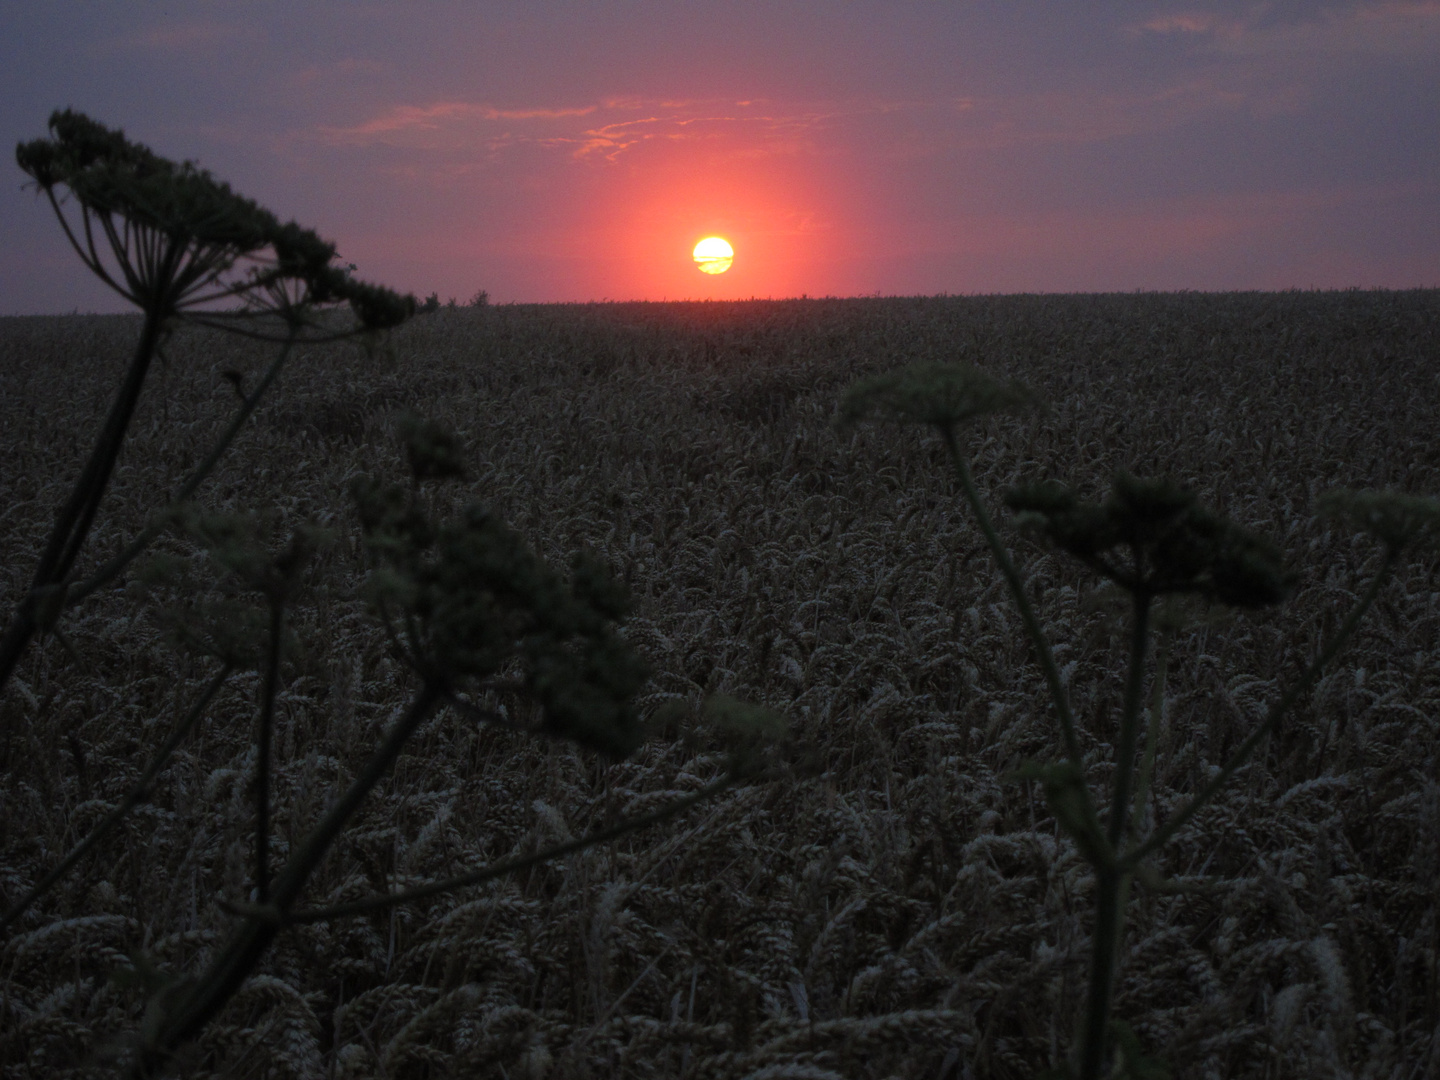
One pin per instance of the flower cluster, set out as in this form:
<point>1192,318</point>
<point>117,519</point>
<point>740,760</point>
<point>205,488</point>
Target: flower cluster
<point>178,238</point>
<point>1396,520</point>
<point>467,599</point>
<point>1153,537</point>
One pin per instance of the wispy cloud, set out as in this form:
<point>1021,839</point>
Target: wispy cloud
<point>1385,28</point>
<point>351,67</point>
<point>1195,23</point>
<point>602,130</point>
<point>185,37</point>
<point>1255,63</point>
<point>405,119</point>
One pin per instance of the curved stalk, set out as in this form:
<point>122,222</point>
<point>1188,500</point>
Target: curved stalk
<point>1112,884</point>
<point>510,866</point>
<point>1095,1035</point>
<point>134,798</point>
<point>1130,720</point>
<point>1307,679</point>
<point>1012,577</point>
<point>112,569</point>
<point>73,522</point>
<point>249,942</point>
<point>262,750</point>
<point>1152,730</point>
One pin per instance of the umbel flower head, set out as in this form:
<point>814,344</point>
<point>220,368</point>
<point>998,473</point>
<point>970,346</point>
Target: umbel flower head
<point>932,393</point>
<point>179,239</point>
<point>469,598</point>
<point>1153,537</point>
<point>433,451</point>
<point>212,614</point>
<point>1398,521</point>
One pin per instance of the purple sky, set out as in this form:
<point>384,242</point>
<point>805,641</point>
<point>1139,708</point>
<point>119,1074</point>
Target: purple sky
<point>576,151</point>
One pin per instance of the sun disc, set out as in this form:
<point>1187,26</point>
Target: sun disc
<point>713,255</point>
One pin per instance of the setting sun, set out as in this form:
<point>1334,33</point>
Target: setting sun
<point>713,255</point>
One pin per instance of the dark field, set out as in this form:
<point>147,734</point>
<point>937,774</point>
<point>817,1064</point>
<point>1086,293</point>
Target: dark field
<point>894,905</point>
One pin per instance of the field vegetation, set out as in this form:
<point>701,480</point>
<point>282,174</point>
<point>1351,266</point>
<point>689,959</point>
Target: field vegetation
<point>889,900</point>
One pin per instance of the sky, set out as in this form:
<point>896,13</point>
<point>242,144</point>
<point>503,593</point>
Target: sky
<point>576,151</point>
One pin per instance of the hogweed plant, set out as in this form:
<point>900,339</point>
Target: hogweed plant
<point>1153,541</point>
<point>469,609</point>
<point>180,246</point>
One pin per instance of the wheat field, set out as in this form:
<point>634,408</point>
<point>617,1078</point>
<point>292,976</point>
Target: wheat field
<point>892,904</point>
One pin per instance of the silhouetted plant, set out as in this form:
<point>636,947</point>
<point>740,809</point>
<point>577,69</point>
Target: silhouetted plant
<point>465,603</point>
<point>1151,539</point>
<point>179,245</point>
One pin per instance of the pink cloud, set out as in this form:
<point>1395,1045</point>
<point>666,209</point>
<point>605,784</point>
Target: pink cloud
<point>1194,23</point>
<point>434,117</point>
<point>173,38</point>
<point>627,123</point>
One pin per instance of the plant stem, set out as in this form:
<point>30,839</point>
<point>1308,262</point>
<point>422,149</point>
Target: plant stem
<point>1111,884</point>
<point>131,800</point>
<point>1022,600</point>
<point>1307,679</point>
<point>112,569</point>
<point>1152,730</point>
<point>248,943</point>
<point>72,524</point>
<point>1095,1036</point>
<point>1130,720</point>
<point>510,866</point>
<point>262,751</point>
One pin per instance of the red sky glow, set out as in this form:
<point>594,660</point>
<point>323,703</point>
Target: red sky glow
<point>571,152</point>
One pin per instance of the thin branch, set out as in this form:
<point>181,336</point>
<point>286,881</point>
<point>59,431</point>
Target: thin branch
<point>217,320</point>
<point>72,523</point>
<point>1152,730</point>
<point>134,798</point>
<point>262,750</point>
<point>1058,695</point>
<point>1307,679</point>
<point>138,247</point>
<point>107,447</point>
<point>508,866</point>
<point>222,291</point>
<point>204,266</point>
<point>87,219</point>
<point>111,569</point>
<point>1096,1030</point>
<point>237,959</point>
<point>493,718</point>
<point>1130,720</point>
<point>88,258</point>
<point>121,250</point>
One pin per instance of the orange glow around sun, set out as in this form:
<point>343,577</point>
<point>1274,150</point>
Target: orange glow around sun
<point>713,255</point>
<point>658,225</point>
